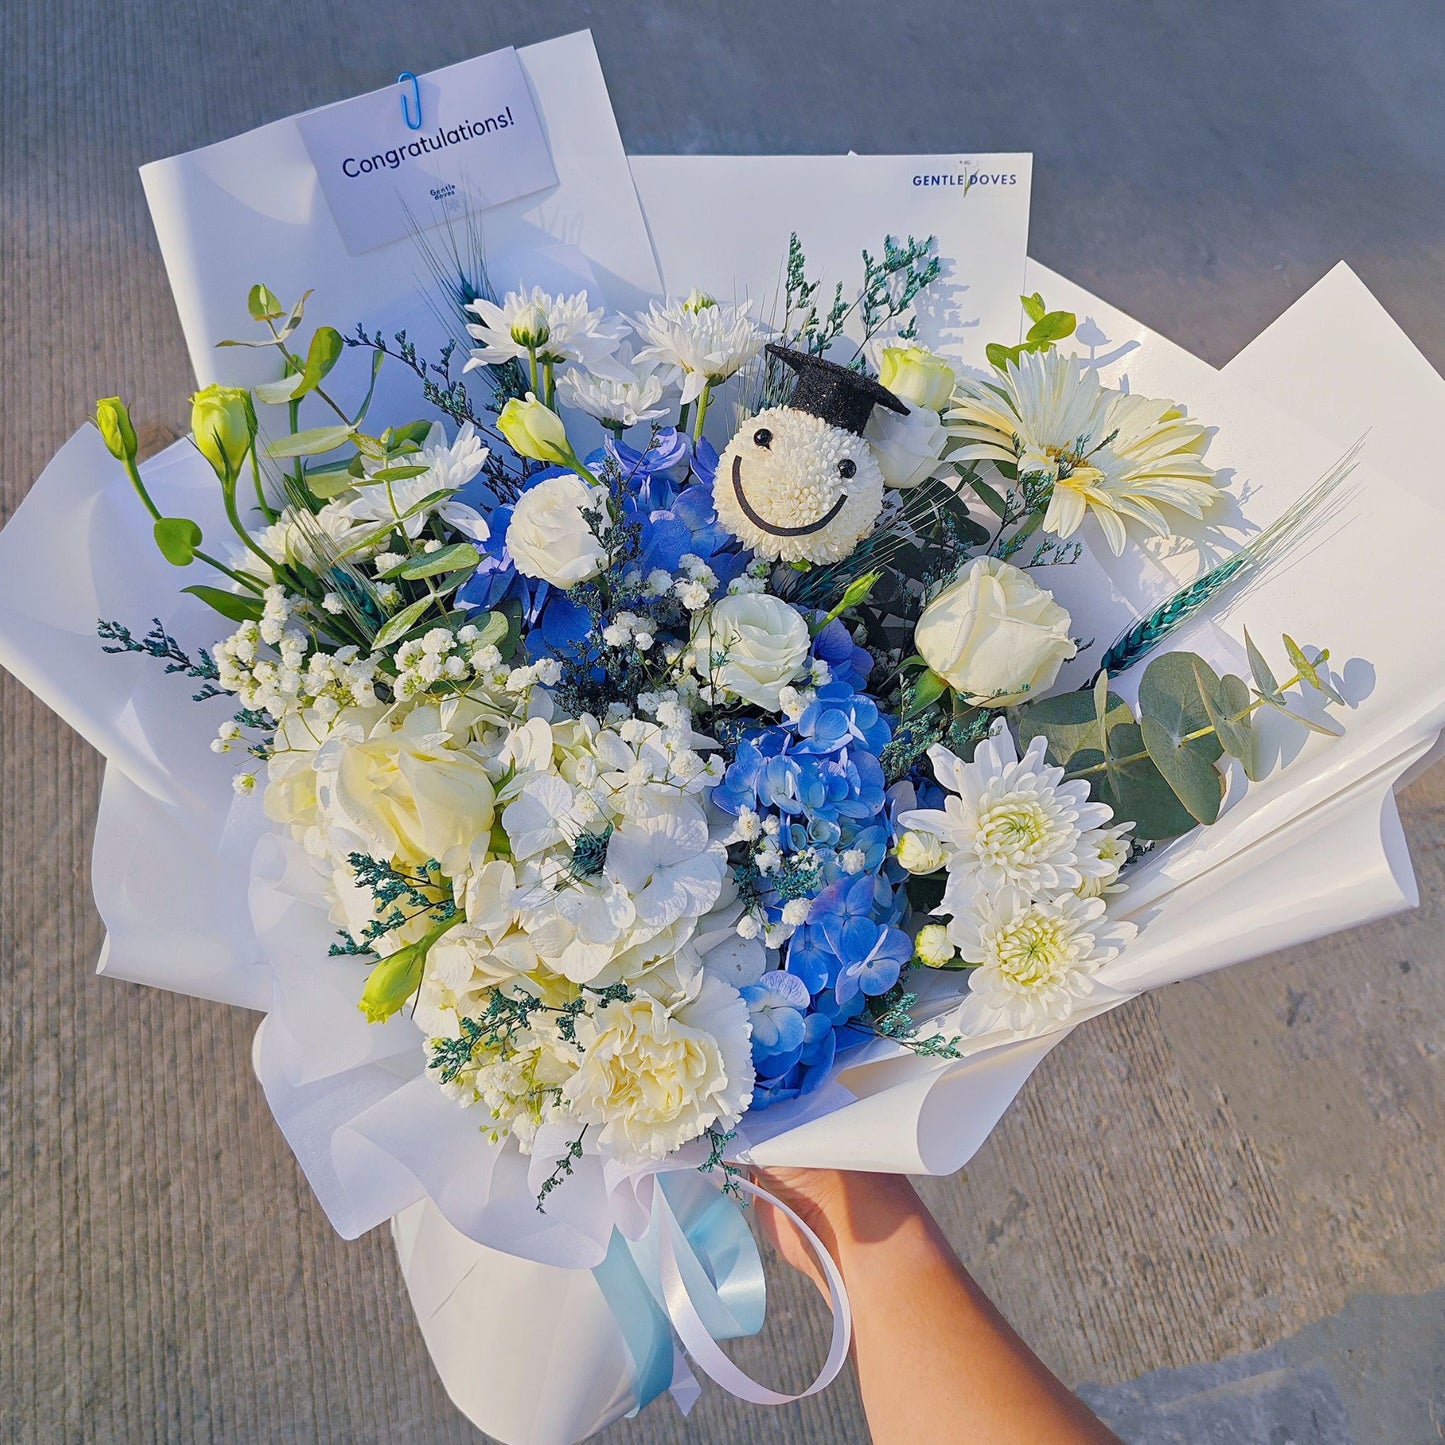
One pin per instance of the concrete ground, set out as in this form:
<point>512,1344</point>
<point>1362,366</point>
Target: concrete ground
<point>1218,1211</point>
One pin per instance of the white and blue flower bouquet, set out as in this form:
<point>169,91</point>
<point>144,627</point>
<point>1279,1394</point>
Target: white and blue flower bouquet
<point>595,819</point>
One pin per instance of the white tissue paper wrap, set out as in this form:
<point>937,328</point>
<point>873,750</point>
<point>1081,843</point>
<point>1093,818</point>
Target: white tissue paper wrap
<point>1315,847</point>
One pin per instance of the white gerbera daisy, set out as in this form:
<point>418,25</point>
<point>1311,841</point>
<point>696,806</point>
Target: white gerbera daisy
<point>552,329</point>
<point>704,341</point>
<point>1036,958</point>
<point>1010,822</point>
<point>1124,458</point>
<point>615,401</point>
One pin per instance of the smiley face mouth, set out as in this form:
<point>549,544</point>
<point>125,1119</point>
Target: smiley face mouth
<point>764,525</point>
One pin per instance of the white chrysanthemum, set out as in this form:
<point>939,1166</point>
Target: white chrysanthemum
<point>616,401</point>
<point>1036,958</point>
<point>1112,849</point>
<point>448,468</point>
<point>656,1074</point>
<point>311,540</point>
<point>558,328</point>
<point>704,341</point>
<point>1010,822</point>
<point>1124,458</point>
<point>791,487</point>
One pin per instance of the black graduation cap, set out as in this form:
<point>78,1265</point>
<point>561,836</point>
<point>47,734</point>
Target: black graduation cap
<point>840,396</point>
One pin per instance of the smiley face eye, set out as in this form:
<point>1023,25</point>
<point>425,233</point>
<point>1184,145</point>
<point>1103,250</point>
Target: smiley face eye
<point>847,468</point>
<point>763,437</point>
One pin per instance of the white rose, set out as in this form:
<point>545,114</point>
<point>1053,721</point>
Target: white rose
<point>917,376</point>
<point>761,642</point>
<point>908,448</point>
<point>995,636</point>
<point>549,536</point>
<point>657,1074</point>
<point>408,794</point>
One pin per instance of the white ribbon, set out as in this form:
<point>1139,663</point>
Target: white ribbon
<point>697,1340</point>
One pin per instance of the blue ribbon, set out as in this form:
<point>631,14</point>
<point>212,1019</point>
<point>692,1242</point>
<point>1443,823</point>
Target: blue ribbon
<point>718,1258</point>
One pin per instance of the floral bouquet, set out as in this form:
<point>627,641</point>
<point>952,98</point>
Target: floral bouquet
<point>619,817</point>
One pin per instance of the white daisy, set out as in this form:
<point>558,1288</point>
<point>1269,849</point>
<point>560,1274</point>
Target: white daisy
<point>552,328</point>
<point>621,401</point>
<point>1036,959</point>
<point>1010,822</point>
<point>703,340</point>
<point>448,468</point>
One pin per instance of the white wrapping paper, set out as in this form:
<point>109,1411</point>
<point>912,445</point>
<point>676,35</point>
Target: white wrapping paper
<point>1315,847</point>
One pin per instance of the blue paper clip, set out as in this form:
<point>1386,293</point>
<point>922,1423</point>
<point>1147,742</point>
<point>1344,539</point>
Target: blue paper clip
<point>406,110</point>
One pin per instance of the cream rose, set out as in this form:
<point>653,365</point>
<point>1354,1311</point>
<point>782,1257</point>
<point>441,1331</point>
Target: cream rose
<point>916,375</point>
<point>909,448</point>
<point>655,1074</point>
<point>408,794</point>
<point>994,636</point>
<point>550,535</point>
<point>752,646</point>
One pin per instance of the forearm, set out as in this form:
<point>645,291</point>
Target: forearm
<point>936,1361</point>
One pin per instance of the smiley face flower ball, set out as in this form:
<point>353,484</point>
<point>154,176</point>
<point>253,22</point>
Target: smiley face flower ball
<point>798,483</point>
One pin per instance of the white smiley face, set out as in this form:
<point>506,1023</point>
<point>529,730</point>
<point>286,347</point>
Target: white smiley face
<point>794,489</point>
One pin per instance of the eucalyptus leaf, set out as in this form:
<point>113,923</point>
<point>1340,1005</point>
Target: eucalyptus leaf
<point>1134,788</point>
<point>1179,735</point>
<point>1034,307</point>
<point>429,501</point>
<point>178,538</point>
<point>236,606</point>
<point>1226,700</point>
<point>330,480</point>
<point>398,626</point>
<point>309,443</point>
<point>1259,670</point>
<point>1317,677</point>
<point>395,474</point>
<point>1068,722</point>
<point>377,357</point>
<point>492,628</point>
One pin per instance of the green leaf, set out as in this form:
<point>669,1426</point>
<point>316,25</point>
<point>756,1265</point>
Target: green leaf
<point>263,305</point>
<point>237,606</point>
<point>330,479</point>
<point>324,352</point>
<point>1307,722</point>
<point>275,393</point>
<point>395,474</point>
<point>444,559</point>
<point>178,538</point>
<point>1033,306</point>
<point>1226,701</point>
<point>926,691</point>
<point>990,499</point>
<point>1178,734</point>
<point>401,439</point>
<point>1069,723</point>
<point>377,357</point>
<point>1259,669</point>
<point>395,628</point>
<point>1134,788</point>
<point>1312,672</point>
<point>294,319</point>
<point>493,629</point>
<point>999,356</point>
<point>309,443</point>
<point>1051,328</point>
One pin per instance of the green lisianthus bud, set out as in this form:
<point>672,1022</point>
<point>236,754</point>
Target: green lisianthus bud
<point>223,423</point>
<point>530,327</point>
<point>113,420</point>
<point>392,982</point>
<point>536,431</point>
